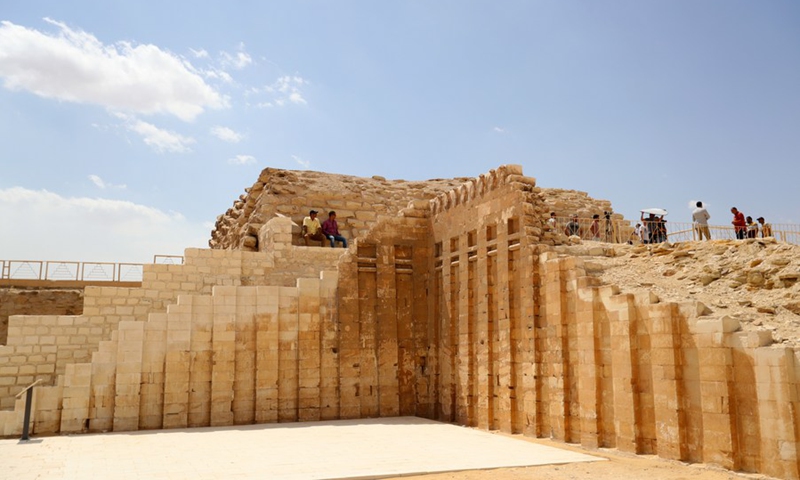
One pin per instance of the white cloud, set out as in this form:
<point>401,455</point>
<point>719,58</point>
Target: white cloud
<point>100,230</point>
<point>102,184</point>
<point>242,160</point>
<point>199,53</point>
<point>215,74</point>
<point>74,66</point>
<point>238,60</point>
<point>159,139</point>
<point>285,90</point>
<point>226,134</point>
<point>499,129</point>
<point>303,163</point>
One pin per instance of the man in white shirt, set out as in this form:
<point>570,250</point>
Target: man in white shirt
<point>312,230</point>
<point>700,217</point>
<point>552,221</point>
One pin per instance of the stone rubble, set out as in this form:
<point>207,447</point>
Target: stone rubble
<point>754,280</point>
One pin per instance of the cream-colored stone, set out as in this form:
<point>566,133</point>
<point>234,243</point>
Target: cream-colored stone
<point>466,312</point>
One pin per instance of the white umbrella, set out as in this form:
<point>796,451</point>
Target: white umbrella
<point>655,211</point>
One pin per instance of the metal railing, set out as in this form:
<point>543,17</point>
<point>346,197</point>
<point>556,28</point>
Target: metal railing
<point>622,231</point>
<point>79,271</point>
<point>611,231</point>
<point>684,232</point>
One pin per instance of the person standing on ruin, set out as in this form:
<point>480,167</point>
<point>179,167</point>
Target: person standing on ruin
<point>552,220</point>
<point>644,233</point>
<point>766,228</point>
<point>700,217</point>
<point>659,235</point>
<point>312,230</point>
<point>573,227</point>
<point>739,223</point>
<point>636,234</point>
<point>331,230</point>
<point>594,228</point>
<point>649,228</point>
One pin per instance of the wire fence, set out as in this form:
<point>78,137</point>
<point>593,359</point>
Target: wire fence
<point>79,271</point>
<point>621,231</point>
<point>602,229</point>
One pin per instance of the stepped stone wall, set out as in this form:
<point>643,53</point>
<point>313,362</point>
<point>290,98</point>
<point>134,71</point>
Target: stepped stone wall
<point>456,309</point>
<point>42,346</point>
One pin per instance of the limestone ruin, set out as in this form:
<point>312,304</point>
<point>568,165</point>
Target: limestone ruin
<point>455,301</point>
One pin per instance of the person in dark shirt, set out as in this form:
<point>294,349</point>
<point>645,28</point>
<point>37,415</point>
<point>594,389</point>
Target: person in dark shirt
<point>331,230</point>
<point>573,227</point>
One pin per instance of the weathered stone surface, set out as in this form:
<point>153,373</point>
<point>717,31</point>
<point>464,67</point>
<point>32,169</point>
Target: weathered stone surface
<point>793,307</point>
<point>461,307</point>
<point>37,301</point>
<point>358,201</point>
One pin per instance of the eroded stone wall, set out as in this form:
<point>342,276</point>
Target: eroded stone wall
<point>360,204</point>
<point>37,301</point>
<point>566,203</point>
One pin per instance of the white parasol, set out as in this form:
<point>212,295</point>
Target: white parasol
<point>655,211</point>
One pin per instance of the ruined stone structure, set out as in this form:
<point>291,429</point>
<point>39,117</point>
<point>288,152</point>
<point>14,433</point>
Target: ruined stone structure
<point>460,307</point>
<point>43,301</point>
<point>359,202</point>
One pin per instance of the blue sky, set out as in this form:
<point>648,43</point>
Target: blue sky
<point>127,127</point>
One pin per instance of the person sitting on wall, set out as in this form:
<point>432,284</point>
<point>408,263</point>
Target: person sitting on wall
<point>766,228</point>
<point>752,228</point>
<point>312,230</point>
<point>331,230</point>
<point>573,227</point>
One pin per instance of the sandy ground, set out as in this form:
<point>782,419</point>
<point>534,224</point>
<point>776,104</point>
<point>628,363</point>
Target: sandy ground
<point>620,466</point>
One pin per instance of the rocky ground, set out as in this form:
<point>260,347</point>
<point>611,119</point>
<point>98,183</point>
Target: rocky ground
<point>755,281</point>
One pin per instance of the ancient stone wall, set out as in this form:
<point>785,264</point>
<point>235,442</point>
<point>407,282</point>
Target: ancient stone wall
<point>359,203</point>
<point>570,202</point>
<point>42,346</point>
<point>484,234</point>
<point>37,301</point>
<point>454,309</point>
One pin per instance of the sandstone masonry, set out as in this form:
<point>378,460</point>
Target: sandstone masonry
<point>45,301</point>
<point>456,308</point>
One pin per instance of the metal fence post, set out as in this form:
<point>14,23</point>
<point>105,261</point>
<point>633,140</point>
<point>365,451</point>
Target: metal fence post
<point>26,422</point>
